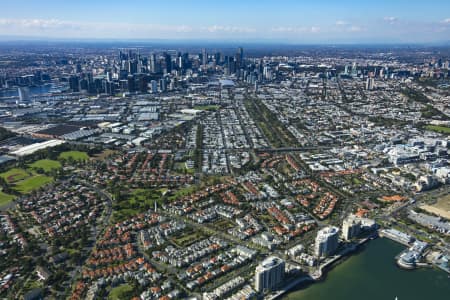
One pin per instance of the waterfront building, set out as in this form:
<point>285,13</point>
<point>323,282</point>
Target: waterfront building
<point>397,236</point>
<point>326,241</point>
<point>351,227</point>
<point>269,274</point>
<point>410,257</point>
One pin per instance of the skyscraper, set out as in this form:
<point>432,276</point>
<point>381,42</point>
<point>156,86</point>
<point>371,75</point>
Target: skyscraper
<point>370,83</point>
<point>240,57</point>
<point>163,84</point>
<point>131,84</point>
<point>269,273</point>
<point>354,70</point>
<point>132,67</point>
<point>24,94</point>
<point>204,57</point>
<point>168,62</point>
<point>74,84</point>
<point>154,86</point>
<point>326,241</point>
<point>152,66</point>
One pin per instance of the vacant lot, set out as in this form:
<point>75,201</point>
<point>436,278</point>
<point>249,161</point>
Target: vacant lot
<point>103,155</point>
<point>441,208</point>
<point>46,164</point>
<point>74,155</point>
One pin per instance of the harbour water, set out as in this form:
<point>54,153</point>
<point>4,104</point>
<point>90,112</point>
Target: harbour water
<point>36,90</point>
<point>371,274</point>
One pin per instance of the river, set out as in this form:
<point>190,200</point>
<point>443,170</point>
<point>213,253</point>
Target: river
<point>372,274</point>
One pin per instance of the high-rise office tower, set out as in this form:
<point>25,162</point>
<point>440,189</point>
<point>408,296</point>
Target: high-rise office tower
<point>168,62</point>
<point>153,63</point>
<point>132,67</point>
<point>204,57</point>
<point>269,274</point>
<point>131,84</point>
<point>163,84</point>
<point>24,94</point>
<point>74,84</point>
<point>370,83</point>
<point>240,57</point>
<point>354,70</point>
<point>179,61</point>
<point>154,86</point>
<point>78,69</point>
<point>346,70</point>
<point>326,241</point>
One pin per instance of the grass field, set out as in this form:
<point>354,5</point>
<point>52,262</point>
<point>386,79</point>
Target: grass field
<point>123,214</point>
<point>148,197</point>
<point>32,183</point>
<point>188,239</point>
<point>440,129</point>
<point>27,180</point>
<point>46,164</point>
<point>137,201</point>
<point>124,291</point>
<point>103,155</point>
<point>224,224</point>
<point>5,198</point>
<point>183,192</point>
<point>75,155</point>
<point>14,175</point>
<point>207,107</point>
<point>181,167</point>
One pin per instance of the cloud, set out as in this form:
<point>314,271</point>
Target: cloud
<point>390,20</point>
<point>59,28</point>
<point>41,24</point>
<point>355,29</point>
<point>345,26</point>
<point>404,30</point>
<point>282,29</point>
<point>228,29</point>
<point>341,23</point>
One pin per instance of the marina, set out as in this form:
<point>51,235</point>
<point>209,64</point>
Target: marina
<point>372,272</point>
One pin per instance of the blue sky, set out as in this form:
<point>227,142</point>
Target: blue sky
<point>319,21</point>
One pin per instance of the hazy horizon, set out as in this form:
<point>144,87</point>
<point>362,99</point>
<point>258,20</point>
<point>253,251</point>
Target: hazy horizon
<point>293,22</point>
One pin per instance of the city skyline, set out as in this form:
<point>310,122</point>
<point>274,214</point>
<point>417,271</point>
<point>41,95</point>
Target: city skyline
<point>296,22</point>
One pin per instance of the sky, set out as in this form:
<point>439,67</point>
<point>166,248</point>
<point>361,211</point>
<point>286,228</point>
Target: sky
<point>288,21</point>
